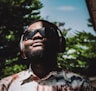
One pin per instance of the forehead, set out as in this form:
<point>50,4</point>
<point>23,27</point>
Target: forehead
<point>36,25</point>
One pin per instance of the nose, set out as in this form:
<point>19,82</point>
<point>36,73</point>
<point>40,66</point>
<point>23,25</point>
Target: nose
<point>37,36</point>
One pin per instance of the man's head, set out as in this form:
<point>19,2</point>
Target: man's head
<point>41,40</point>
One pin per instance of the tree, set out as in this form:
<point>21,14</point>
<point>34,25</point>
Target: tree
<point>80,54</point>
<point>15,15</point>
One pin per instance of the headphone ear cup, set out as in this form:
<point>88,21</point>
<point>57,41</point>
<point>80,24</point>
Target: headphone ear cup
<point>22,48</point>
<point>21,43</point>
<point>62,44</point>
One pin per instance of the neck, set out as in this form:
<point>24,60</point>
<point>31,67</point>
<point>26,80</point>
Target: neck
<point>41,66</point>
<point>44,68</point>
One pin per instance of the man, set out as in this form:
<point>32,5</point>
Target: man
<point>39,45</point>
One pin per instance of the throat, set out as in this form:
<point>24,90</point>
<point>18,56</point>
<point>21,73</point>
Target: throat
<point>41,70</point>
<point>43,66</point>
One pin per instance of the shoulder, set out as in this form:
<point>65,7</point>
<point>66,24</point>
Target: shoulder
<point>67,78</point>
<point>7,81</point>
<point>76,80</point>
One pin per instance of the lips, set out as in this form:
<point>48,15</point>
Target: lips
<point>37,43</point>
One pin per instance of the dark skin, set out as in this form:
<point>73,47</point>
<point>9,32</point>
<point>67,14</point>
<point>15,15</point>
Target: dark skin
<point>41,65</point>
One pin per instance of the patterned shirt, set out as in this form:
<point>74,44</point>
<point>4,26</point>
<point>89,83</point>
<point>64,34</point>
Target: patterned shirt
<point>54,81</point>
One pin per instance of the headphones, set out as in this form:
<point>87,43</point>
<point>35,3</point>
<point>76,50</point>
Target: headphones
<point>62,41</point>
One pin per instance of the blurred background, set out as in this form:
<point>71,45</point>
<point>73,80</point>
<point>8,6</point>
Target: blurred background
<point>71,16</point>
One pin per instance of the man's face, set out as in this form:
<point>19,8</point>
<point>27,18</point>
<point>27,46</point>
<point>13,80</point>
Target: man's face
<point>35,42</point>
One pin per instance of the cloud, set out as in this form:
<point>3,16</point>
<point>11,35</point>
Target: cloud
<point>66,8</point>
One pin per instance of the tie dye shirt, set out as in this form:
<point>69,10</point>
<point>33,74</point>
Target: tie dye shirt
<point>54,81</point>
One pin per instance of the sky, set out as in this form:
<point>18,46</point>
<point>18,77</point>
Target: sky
<point>73,12</point>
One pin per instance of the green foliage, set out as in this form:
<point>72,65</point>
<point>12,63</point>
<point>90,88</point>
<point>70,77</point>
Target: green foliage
<point>15,15</point>
<point>13,69</point>
<point>80,54</point>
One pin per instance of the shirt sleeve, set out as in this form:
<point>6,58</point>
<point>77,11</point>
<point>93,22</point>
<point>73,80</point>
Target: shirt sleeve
<point>4,83</point>
<point>7,81</point>
<point>78,82</point>
<point>86,86</point>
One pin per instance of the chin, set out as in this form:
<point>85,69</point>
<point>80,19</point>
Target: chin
<point>36,53</point>
<point>36,56</point>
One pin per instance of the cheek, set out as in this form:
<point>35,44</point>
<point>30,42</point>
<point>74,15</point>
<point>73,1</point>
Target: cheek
<point>27,42</point>
<point>27,45</point>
